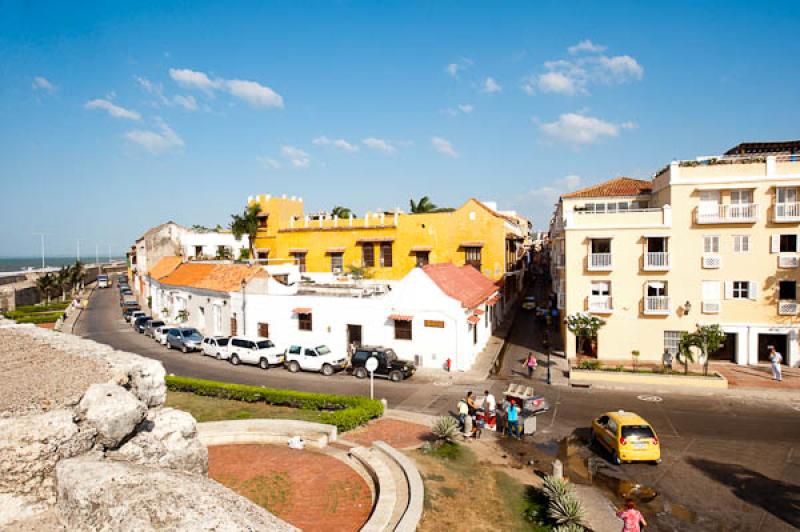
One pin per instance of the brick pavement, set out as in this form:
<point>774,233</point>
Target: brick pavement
<point>311,490</point>
<point>399,434</point>
<point>757,376</point>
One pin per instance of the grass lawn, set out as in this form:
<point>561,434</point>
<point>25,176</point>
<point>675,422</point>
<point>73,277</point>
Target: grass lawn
<point>213,409</point>
<point>461,493</point>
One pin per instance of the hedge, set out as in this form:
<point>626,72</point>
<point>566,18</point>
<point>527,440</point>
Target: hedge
<point>344,411</point>
<point>35,317</point>
<point>44,307</point>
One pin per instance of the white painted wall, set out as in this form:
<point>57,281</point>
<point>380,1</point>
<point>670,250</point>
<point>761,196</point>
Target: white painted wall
<point>209,242</point>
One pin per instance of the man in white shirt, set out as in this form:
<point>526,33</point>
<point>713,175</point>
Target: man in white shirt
<point>489,402</point>
<point>775,360</point>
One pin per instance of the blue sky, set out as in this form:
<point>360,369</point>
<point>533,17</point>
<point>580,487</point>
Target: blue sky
<point>117,116</point>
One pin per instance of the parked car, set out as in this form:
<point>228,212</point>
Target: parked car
<point>129,307</point>
<point>627,436</point>
<point>102,281</point>
<point>389,366</point>
<point>151,326</point>
<point>254,350</point>
<point>160,333</point>
<point>184,338</point>
<point>131,318</point>
<point>140,323</point>
<point>216,346</point>
<point>314,358</point>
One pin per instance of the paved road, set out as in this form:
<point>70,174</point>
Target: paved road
<point>729,463</point>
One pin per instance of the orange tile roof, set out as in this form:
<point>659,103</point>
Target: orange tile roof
<point>400,317</point>
<point>214,277</point>
<point>620,186</point>
<point>474,319</point>
<point>463,283</point>
<point>164,267</point>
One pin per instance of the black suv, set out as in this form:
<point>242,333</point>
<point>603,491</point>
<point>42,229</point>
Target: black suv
<point>389,365</point>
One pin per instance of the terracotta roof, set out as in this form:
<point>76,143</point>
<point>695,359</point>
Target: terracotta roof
<point>400,317</point>
<point>302,310</point>
<point>421,248</point>
<point>214,277</point>
<point>493,300</point>
<point>298,250</point>
<point>620,186</point>
<point>367,240</point>
<point>472,244</point>
<point>463,283</point>
<point>335,250</point>
<point>164,267</point>
<point>478,312</point>
<point>474,319</point>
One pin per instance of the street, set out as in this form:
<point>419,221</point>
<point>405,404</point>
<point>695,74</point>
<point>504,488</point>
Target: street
<point>729,463</point>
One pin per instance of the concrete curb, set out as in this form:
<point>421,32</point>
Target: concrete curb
<point>416,489</point>
<point>269,431</point>
<point>647,380</point>
<point>386,493</point>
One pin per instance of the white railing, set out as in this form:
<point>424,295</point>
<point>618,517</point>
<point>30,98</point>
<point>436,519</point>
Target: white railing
<point>619,211</point>
<point>599,261</point>
<point>786,212</point>
<point>788,261</point>
<point>656,260</point>
<point>656,305</point>
<point>712,261</point>
<point>727,213</point>
<point>711,307</point>
<point>600,304</point>
<point>788,307</point>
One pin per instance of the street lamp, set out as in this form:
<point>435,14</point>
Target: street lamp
<point>244,322</point>
<point>546,346</point>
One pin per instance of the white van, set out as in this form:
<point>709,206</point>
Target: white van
<point>314,358</point>
<point>254,350</point>
<point>102,281</point>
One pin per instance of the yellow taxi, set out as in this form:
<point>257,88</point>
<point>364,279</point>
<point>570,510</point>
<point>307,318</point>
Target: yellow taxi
<point>627,436</point>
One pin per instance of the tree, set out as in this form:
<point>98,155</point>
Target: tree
<point>584,327</point>
<point>224,253</point>
<point>359,272</point>
<point>63,281</point>
<point>246,224</point>
<point>685,353</point>
<point>342,212</point>
<point>47,285</point>
<point>709,338</point>
<point>422,206</point>
<point>76,276</point>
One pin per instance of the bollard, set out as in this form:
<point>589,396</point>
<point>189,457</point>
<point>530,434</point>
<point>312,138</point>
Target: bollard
<point>385,404</point>
<point>558,469</point>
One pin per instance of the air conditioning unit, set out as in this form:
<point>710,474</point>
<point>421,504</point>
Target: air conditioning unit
<point>711,307</point>
<point>712,261</point>
<point>788,261</point>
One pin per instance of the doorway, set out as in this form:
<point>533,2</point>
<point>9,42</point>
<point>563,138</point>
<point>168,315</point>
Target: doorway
<point>728,350</point>
<point>777,340</point>
<point>353,337</point>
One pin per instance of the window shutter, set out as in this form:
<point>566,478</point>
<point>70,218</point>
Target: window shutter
<point>776,243</point>
<point>797,244</point>
<point>728,289</point>
<point>753,290</point>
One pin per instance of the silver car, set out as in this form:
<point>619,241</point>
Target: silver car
<point>184,338</point>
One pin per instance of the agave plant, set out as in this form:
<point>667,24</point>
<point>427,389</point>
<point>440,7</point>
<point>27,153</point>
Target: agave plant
<point>563,506</point>
<point>445,428</point>
<point>569,528</point>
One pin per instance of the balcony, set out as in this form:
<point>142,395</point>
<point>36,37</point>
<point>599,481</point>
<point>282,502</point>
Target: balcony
<point>786,213</point>
<point>712,261</point>
<point>711,307</point>
<point>788,307</point>
<point>788,261</point>
<point>656,305</point>
<point>656,261</point>
<point>600,305</point>
<point>599,262</point>
<point>727,213</point>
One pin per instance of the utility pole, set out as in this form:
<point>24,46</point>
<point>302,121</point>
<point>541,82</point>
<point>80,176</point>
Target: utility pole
<point>97,254</point>
<point>109,253</point>
<point>78,240</point>
<point>42,235</point>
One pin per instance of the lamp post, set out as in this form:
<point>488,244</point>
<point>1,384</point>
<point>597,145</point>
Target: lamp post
<point>546,346</point>
<point>244,322</point>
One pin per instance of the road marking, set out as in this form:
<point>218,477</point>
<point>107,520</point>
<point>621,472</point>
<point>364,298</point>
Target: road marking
<point>650,398</point>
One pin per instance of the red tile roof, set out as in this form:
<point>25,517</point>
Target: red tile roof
<point>164,267</point>
<point>214,277</point>
<point>302,310</point>
<point>473,319</point>
<point>400,317</point>
<point>620,186</point>
<point>463,283</point>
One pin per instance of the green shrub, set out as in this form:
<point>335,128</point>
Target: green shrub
<point>563,505</point>
<point>590,364</point>
<point>346,412</point>
<point>38,317</point>
<point>445,428</point>
<point>43,307</point>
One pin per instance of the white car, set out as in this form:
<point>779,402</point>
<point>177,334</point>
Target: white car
<point>216,346</point>
<point>160,334</point>
<point>254,350</point>
<point>314,358</point>
<point>135,315</point>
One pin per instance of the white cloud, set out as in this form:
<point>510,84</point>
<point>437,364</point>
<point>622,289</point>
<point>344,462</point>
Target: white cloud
<point>540,201</point>
<point>558,82</point>
<point>463,108</point>
<point>157,89</point>
<point>490,86</point>
<point>254,93</point>
<point>618,69</point>
<point>41,83</point>
<point>337,143</point>
<point>577,129</point>
<point>187,102</point>
<point>459,66</point>
<point>297,157</point>
<point>379,145</point>
<point>586,46</point>
<point>444,147</point>
<point>192,79</point>
<point>268,163</point>
<point>466,108</point>
<point>452,69</point>
<point>156,142</point>
<point>114,110</point>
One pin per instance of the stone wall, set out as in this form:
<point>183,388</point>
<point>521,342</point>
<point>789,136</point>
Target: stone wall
<point>110,458</point>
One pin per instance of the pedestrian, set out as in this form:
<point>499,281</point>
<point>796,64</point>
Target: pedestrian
<point>775,360</point>
<point>471,403</point>
<point>632,519</point>
<point>531,364</point>
<point>489,403</point>
<point>501,421</point>
<point>513,420</point>
<point>463,412</point>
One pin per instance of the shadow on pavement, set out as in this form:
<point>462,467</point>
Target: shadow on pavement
<point>779,498</point>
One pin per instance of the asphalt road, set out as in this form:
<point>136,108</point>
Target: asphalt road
<point>729,463</point>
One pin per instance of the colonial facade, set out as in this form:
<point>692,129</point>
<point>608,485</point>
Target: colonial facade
<point>714,240</point>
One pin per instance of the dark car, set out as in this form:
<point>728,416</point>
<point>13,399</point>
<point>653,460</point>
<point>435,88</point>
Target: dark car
<point>151,326</point>
<point>389,366</point>
<point>128,310</point>
<point>140,322</point>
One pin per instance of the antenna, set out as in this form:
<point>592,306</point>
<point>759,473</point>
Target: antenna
<point>42,235</point>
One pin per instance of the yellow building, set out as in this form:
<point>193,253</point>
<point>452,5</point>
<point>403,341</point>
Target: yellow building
<point>390,244</point>
<point>714,240</point>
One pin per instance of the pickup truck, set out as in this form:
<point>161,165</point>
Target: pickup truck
<point>314,358</point>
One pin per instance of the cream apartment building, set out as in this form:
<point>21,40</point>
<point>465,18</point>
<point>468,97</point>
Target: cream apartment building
<point>715,240</point>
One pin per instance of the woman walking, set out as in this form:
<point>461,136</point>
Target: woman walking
<point>632,519</point>
<point>531,364</point>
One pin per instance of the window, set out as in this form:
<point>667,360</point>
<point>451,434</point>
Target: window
<point>710,291</point>
<point>787,290</point>
<point>263,330</point>
<point>787,195</point>
<point>402,330</point>
<point>198,251</point>
<point>337,261</point>
<point>437,324</point>
<point>472,256</point>
<point>601,245</point>
<point>741,243</point>
<point>300,261</point>
<point>386,254</point>
<point>600,288</point>
<point>788,244</point>
<point>304,321</point>
<point>711,244</point>
<point>741,290</point>
<point>234,325</point>
<point>262,222</point>
<point>368,255</point>
<point>422,258</point>
<point>262,255</point>
<point>656,244</point>
<point>310,353</point>
<point>671,341</point>
<point>294,350</point>
<point>656,289</point>
<point>740,197</point>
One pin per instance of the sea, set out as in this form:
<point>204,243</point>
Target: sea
<point>17,264</point>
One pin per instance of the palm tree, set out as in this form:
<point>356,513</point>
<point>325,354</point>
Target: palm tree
<point>76,275</point>
<point>342,212</point>
<point>246,224</point>
<point>422,206</point>
<point>63,281</point>
<point>46,284</point>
